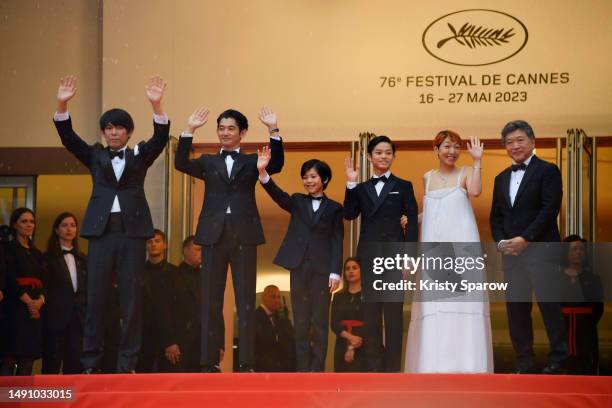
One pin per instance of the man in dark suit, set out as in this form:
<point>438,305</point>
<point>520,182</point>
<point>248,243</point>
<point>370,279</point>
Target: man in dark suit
<point>180,314</point>
<point>117,220</point>
<point>526,202</point>
<point>229,228</point>
<point>312,251</point>
<point>274,342</point>
<point>157,275</point>
<point>381,202</point>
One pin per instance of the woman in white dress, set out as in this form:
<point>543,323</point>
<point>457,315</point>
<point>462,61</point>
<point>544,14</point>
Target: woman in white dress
<point>453,335</point>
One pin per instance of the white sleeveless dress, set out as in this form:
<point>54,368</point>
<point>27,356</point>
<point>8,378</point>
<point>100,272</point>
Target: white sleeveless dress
<point>449,336</point>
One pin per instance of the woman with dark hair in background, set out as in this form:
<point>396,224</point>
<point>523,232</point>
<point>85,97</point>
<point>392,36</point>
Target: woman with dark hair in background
<point>24,297</point>
<point>582,306</point>
<point>347,320</point>
<point>66,301</point>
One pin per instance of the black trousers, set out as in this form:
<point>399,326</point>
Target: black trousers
<point>62,348</point>
<point>380,358</point>
<point>242,259</point>
<point>114,254</point>
<point>310,299</point>
<point>525,277</point>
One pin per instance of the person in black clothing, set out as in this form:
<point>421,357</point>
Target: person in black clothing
<point>312,251</point>
<point>180,331</point>
<point>3,333</point>
<point>66,300</point>
<point>274,341</point>
<point>156,280</point>
<point>25,297</point>
<point>381,202</point>
<point>117,221</point>
<point>229,228</point>
<point>583,307</point>
<point>347,321</point>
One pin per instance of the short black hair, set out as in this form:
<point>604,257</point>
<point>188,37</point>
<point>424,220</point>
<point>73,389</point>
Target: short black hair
<point>160,233</point>
<point>117,117</point>
<point>188,241</point>
<point>322,169</point>
<point>517,125</point>
<point>379,139</point>
<point>241,120</point>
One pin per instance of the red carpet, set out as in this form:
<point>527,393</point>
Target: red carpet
<point>323,390</point>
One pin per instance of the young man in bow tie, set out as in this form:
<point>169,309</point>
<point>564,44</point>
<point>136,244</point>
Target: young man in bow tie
<point>381,201</point>
<point>118,221</point>
<point>229,228</point>
<point>526,202</point>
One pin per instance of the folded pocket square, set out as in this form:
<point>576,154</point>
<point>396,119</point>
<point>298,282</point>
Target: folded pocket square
<point>393,192</point>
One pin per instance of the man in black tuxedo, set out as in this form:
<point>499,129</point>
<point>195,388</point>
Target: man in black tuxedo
<point>274,341</point>
<point>158,273</point>
<point>312,251</point>
<point>229,228</point>
<point>381,202</point>
<point>526,202</point>
<point>117,220</point>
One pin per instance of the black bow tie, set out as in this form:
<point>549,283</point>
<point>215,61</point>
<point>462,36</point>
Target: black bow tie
<point>316,198</point>
<point>375,180</point>
<point>69,251</point>
<point>233,153</point>
<point>115,153</point>
<point>517,167</point>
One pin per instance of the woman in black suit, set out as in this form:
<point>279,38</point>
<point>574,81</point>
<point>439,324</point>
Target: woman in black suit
<point>24,297</point>
<point>66,300</point>
<point>347,321</point>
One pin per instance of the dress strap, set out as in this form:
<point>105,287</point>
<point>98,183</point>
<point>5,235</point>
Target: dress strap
<point>427,177</point>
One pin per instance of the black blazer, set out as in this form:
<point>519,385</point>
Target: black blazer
<point>321,232</point>
<point>380,215</point>
<point>221,191</point>
<point>130,188</point>
<point>536,206</point>
<point>61,301</point>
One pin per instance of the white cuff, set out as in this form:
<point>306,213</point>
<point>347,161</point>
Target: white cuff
<point>265,179</point>
<point>334,276</point>
<point>185,134</point>
<point>276,137</point>
<point>160,119</point>
<point>59,117</point>
<point>351,185</point>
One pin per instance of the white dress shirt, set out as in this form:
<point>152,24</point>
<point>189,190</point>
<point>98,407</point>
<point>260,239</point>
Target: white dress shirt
<point>71,263</point>
<point>378,186</point>
<point>515,180</point>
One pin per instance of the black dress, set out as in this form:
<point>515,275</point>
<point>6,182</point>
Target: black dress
<point>346,311</point>
<point>25,272</point>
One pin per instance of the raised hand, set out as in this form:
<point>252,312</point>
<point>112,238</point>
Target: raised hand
<point>475,148</point>
<point>268,118</point>
<point>197,119</point>
<point>263,158</point>
<point>66,91</point>
<point>352,174</point>
<point>155,91</point>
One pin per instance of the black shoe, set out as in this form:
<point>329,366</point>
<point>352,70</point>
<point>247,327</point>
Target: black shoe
<point>211,368</point>
<point>552,368</point>
<point>92,371</point>
<point>245,368</point>
<point>525,370</point>
<point>126,371</point>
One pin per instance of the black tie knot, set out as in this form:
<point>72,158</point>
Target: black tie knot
<point>69,251</point>
<point>517,167</point>
<point>115,153</point>
<point>316,198</point>
<point>375,180</point>
<point>225,153</point>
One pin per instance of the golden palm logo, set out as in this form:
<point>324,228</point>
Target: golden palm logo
<point>472,37</point>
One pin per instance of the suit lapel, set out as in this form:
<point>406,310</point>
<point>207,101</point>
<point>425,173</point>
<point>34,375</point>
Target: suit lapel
<point>384,192</point>
<point>237,166</point>
<point>306,208</point>
<point>64,267</point>
<point>531,169</point>
<point>219,163</point>
<point>505,181</point>
<point>371,191</point>
<point>129,165</point>
<point>319,212</point>
<point>107,166</point>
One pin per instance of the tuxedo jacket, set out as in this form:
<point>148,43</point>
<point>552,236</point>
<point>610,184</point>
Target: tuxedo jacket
<point>61,300</point>
<point>380,215</point>
<point>536,206</point>
<point>319,233</point>
<point>130,187</point>
<point>236,191</point>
